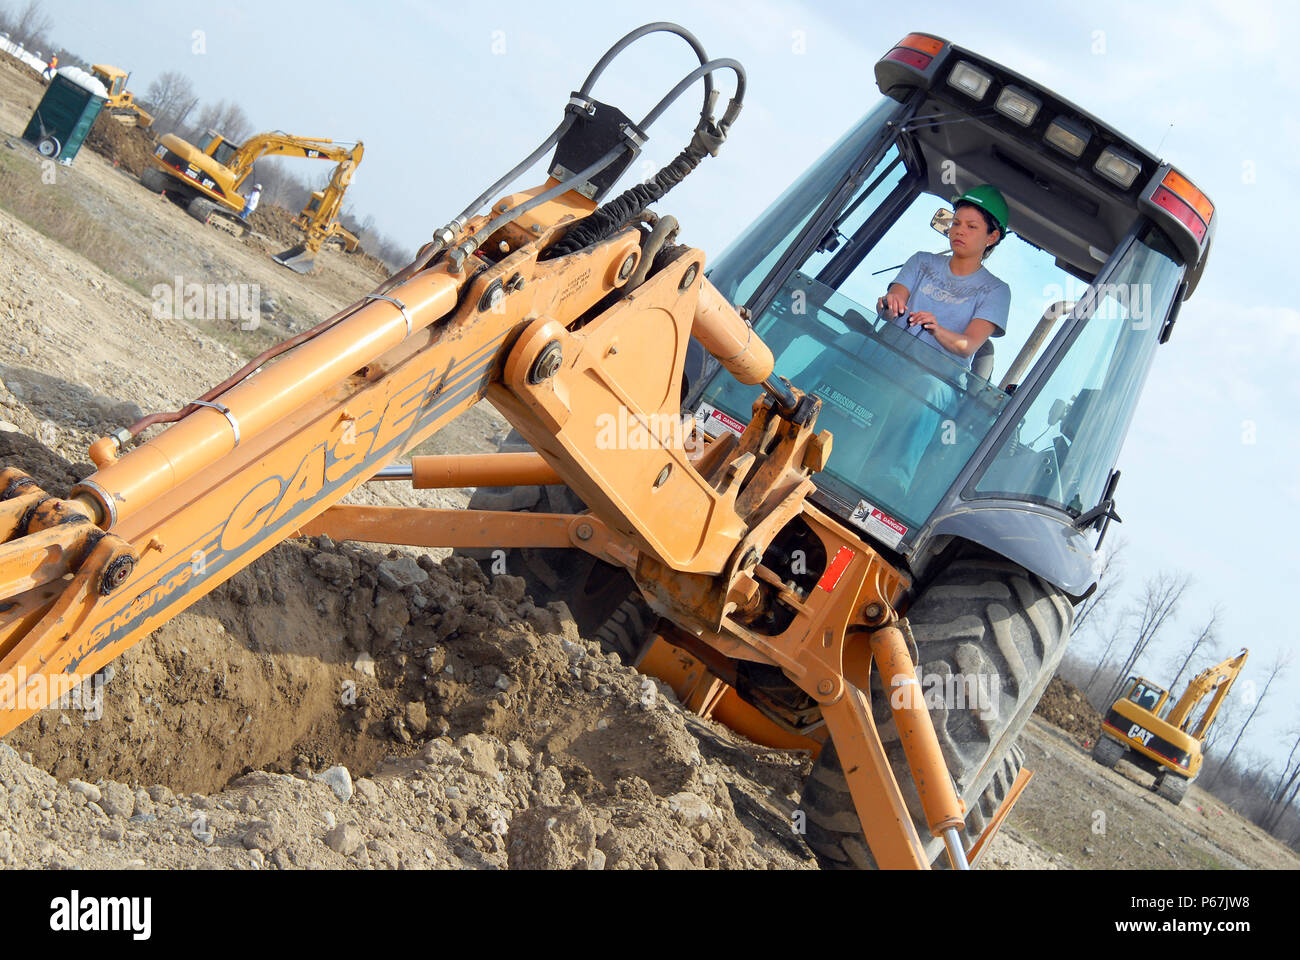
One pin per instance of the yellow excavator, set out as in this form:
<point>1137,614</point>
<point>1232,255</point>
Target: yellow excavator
<point>206,178</point>
<point>319,218</point>
<point>1140,729</point>
<point>121,101</point>
<point>705,473</point>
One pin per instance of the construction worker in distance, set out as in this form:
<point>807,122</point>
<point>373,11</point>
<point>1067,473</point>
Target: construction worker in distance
<point>250,203</point>
<point>51,68</point>
<point>954,304</point>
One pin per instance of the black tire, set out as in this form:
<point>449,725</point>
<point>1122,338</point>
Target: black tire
<point>154,180</point>
<point>984,616</point>
<point>1172,787</point>
<point>49,146</point>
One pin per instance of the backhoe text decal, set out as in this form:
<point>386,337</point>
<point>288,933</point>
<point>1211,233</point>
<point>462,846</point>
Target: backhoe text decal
<point>277,504</point>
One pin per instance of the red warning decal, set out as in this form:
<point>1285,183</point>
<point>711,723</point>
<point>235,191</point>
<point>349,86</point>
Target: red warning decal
<point>835,569</point>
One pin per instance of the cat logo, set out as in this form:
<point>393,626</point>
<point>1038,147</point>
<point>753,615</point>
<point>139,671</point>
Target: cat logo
<point>1135,732</point>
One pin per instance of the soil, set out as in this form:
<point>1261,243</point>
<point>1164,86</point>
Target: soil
<point>1064,705</point>
<point>341,706</point>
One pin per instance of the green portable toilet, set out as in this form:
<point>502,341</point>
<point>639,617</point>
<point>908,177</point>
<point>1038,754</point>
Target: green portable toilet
<point>65,114</point>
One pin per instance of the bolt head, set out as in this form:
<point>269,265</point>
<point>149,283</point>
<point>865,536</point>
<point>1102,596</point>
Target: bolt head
<point>825,686</point>
<point>584,531</point>
<point>625,270</point>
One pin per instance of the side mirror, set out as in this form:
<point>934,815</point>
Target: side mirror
<point>942,220</point>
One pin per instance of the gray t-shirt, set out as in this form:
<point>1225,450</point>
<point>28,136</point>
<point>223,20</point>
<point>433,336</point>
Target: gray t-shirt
<point>955,301</point>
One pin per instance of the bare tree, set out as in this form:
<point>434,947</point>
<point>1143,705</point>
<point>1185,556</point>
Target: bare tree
<point>227,118</point>
<point>1286,789</point>
<point>1107,580</point>
<point>1204,639</point>
<point>1160,596</point>
<point>1280,665</point>
<point>170,97</point>
<point>30,27</point>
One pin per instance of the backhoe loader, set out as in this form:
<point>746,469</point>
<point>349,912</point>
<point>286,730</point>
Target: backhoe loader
<point>206,179</point>
<point>1143,729</point>
<point>121,102</point>
<point>714,441</point>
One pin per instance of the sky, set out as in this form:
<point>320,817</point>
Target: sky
<point>448,96</point>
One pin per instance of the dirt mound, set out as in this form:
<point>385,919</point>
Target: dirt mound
<point>1065,706</point>
<point>486,722</point>
<point>276,224</point>
<point>127,147</point>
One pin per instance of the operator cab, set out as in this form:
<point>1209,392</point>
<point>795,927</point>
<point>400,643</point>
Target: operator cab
<point>217,147</point>
<point>1146,694</point>
<point>1104,241</point>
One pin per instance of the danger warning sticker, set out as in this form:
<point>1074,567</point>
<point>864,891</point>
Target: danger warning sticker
<point>714,421</point>
<point>878,523</point>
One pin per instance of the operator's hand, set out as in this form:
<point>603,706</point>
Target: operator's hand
<point>924,319</point>
<point>895,303</point>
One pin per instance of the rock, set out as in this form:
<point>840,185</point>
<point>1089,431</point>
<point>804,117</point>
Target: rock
<point>597,861</point>
<point>364,664</point>
<point>401,573</point>
<point>517,754</point>
<point>344,839</point>
<point>332,568</point>
<point>88,790</point>
<point>366,789</point>
<point>8,427</point>
<point>339,780</point>
<point>417,717</point>
<point>479,755</point>
<point>161,795</point>
<point>509,588</point>
<point>672,860</point>
<point>263,835</point>
<point>118,800</point>
<point>112,833</point>
<point>690,807</point>
<point>551,838</point>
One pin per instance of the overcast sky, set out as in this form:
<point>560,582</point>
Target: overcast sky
<point>448,96</point>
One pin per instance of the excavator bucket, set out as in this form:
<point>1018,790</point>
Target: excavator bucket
<point>298,258</point>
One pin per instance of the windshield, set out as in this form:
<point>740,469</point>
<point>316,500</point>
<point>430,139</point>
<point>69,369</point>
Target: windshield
<point>1064,446</point>
<point>905,417</point>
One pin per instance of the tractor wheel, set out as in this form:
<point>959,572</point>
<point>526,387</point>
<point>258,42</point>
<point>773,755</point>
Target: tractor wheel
<point>986,630</point>
<point>49,146</point>
<point>1172,787</point>
<point>154,180</point>
<point>1107,752</point>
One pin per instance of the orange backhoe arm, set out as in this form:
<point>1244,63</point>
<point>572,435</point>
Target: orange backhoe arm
<point>158,526</point>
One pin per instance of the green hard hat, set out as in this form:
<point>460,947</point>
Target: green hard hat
<point>988,199</point>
